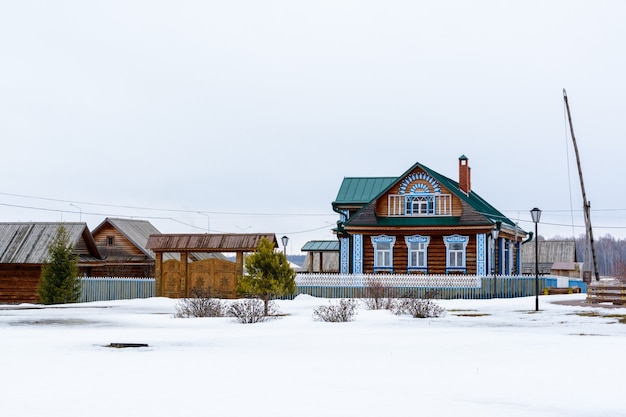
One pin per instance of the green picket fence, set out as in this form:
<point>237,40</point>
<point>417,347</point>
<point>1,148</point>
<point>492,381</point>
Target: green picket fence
<point>422,286</point>
<point>354,286</point>
<point>107,289</point>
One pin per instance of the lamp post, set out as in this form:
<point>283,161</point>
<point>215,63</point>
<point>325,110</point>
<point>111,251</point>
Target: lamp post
<point>285,240</point>
<point>494,238</point>
<point>80,212</point>
<point>536,215</point>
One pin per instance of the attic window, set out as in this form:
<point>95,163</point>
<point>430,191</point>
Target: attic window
<point>110,241</point>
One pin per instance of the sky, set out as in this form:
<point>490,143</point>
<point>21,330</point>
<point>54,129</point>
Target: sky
<point>483,358</point>
<point>246,116</point>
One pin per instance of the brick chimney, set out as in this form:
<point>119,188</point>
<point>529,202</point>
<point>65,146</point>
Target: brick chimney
<point>465,182</point>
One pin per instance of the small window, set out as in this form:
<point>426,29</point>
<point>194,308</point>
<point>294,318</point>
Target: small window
<point>418,252</point>
<point>456,247</point>
<point>383,253</point>
<point>110,241</point>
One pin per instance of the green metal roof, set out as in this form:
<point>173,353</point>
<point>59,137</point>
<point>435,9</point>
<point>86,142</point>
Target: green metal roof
<point>356,190</point>
<point>320,246</point>
<point>364,190</point>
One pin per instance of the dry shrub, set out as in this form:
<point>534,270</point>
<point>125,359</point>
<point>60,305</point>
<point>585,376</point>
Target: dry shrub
<point>342,312</point>
<point>377,296</point>
<point>201,304</point>
<point>251,310</point>
<point>417,307</point>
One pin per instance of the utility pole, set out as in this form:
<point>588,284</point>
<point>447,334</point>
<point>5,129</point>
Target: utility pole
<point>586,204</point>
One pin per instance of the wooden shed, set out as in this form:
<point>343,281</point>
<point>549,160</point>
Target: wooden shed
<point>24,249</point>
<point>122,244</point>
<point>550,252</point>
<point>177,272</point>
<point>322,256</point>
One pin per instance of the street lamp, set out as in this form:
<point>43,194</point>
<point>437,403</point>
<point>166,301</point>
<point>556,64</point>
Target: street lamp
<point>494,237</point>
<point>285,240</point>
<point>536,215</point>
<point>80,212</point>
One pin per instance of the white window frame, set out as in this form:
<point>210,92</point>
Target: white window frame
<point>456,253</point>
<point>417,245</point>
<point>383,252</point>
<point>421,204</point>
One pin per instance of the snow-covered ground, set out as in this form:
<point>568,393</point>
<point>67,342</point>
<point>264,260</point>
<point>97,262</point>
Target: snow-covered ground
<point>484,358</point>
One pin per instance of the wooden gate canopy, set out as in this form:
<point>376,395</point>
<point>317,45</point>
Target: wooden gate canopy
<point>242,242</point>
<point>176,278</point>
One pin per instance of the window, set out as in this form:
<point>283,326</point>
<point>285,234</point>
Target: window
<point>110,241</point>
<point>419,204</point>
<point>383,253</point>
<point>456,253</point>
<point>418,252</point>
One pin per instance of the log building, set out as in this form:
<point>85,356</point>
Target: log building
<point>423,223</point>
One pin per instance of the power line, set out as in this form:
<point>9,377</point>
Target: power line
<point>157,209</point>
<point>146,217</point>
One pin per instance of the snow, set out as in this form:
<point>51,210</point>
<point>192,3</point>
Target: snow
<point>484,358</point>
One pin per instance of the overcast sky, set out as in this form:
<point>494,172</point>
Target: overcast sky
<point>252,112</point>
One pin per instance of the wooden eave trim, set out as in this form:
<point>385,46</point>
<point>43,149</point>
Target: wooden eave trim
<point>201,250</point>
<point>455,229</point>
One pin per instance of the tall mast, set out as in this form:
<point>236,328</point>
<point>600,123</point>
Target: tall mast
<point>586,204</point>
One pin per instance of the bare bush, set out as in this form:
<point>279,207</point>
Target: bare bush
<point>342,312</point>
<point>251,310</point>
<point>377,296</point>
<point>201,304</point>
<point>418,308</point>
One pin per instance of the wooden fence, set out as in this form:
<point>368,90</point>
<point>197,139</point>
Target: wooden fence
<point>614,293</point>
<point>355,286</point>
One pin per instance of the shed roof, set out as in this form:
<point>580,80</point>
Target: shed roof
<point>550,251</point>
<point>136,231</point>
<point>244,242</point>
<point>321,246</point>
<point>28,242</point>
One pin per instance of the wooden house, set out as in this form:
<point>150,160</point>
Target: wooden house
<point>423,223</point>
<point>179,269</point>
<point>122,244</point>
<point>24,249</point>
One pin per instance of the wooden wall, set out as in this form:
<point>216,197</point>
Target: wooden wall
<point>436,255</point>
<point>121,246</point>
<point>18,283</point>
<point>122,259</point>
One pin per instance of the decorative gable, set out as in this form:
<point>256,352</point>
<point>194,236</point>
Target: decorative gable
<point>416,194</point>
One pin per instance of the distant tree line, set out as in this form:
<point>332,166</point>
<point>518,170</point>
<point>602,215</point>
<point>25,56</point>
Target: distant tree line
<point>610,253</point>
